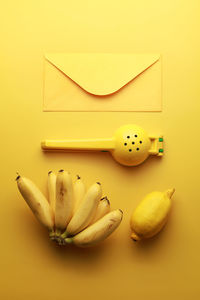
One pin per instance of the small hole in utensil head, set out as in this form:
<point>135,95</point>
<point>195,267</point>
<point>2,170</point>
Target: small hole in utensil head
<point>130,150</point>
<point>137,149</point>
<point>140,142</point>
<point>128,136</point>
<point>133,143</point>
<point>125,144</point>
<point>135,135</point>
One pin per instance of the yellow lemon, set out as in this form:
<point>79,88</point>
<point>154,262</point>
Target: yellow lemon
<point>151,214</point>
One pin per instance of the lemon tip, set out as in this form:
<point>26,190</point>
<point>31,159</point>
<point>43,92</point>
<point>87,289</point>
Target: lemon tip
<point>135,237</point>
<point>170,192</point>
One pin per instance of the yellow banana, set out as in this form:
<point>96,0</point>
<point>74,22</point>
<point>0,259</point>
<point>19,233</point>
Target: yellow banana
<point>36,201</point>
<point>51,186</point>
<point>79,192</point>
<point>151,214</point>
<point>98,231</point>
<point>86,210</point>
<point>102,209</point>
<point>64,200</point>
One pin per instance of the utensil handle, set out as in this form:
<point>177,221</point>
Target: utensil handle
<point>77,145</point>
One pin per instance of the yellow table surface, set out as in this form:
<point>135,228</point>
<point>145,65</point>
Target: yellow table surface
<point>166,267</point>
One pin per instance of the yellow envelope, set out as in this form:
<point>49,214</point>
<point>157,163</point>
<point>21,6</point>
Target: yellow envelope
<point>102,82</point>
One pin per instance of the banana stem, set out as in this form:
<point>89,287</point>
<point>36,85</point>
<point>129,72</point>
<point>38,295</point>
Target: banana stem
<point>68,240</point>
<point>60,238</point>
<point>57,232</point>
<point>64,234</point>
<point>52,235</point>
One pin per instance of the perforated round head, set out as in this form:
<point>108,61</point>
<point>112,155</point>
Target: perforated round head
<point>132,145</point>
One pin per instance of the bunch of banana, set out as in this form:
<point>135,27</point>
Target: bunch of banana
<point>72,214</point>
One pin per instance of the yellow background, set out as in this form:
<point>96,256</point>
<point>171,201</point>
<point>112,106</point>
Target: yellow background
<point>166,267</point>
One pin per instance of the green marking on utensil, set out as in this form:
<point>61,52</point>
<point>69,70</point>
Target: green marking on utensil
<point>161,150</point>
<point>160,139</point>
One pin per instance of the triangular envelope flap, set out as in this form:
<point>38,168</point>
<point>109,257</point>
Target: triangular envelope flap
<point>101,73</point>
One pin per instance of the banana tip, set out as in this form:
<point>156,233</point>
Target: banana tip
<point>18,176</point>
<point>78,177</point>
<point>99,183</point>
<point>105,199</point>
<point>61,170</point>
<point>49,172</point>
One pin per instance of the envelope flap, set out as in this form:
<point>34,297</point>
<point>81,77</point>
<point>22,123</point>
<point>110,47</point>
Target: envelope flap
<point>101,73</point>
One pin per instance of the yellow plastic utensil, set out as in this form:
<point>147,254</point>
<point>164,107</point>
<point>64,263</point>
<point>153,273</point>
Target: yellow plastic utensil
<point>129,146</point>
